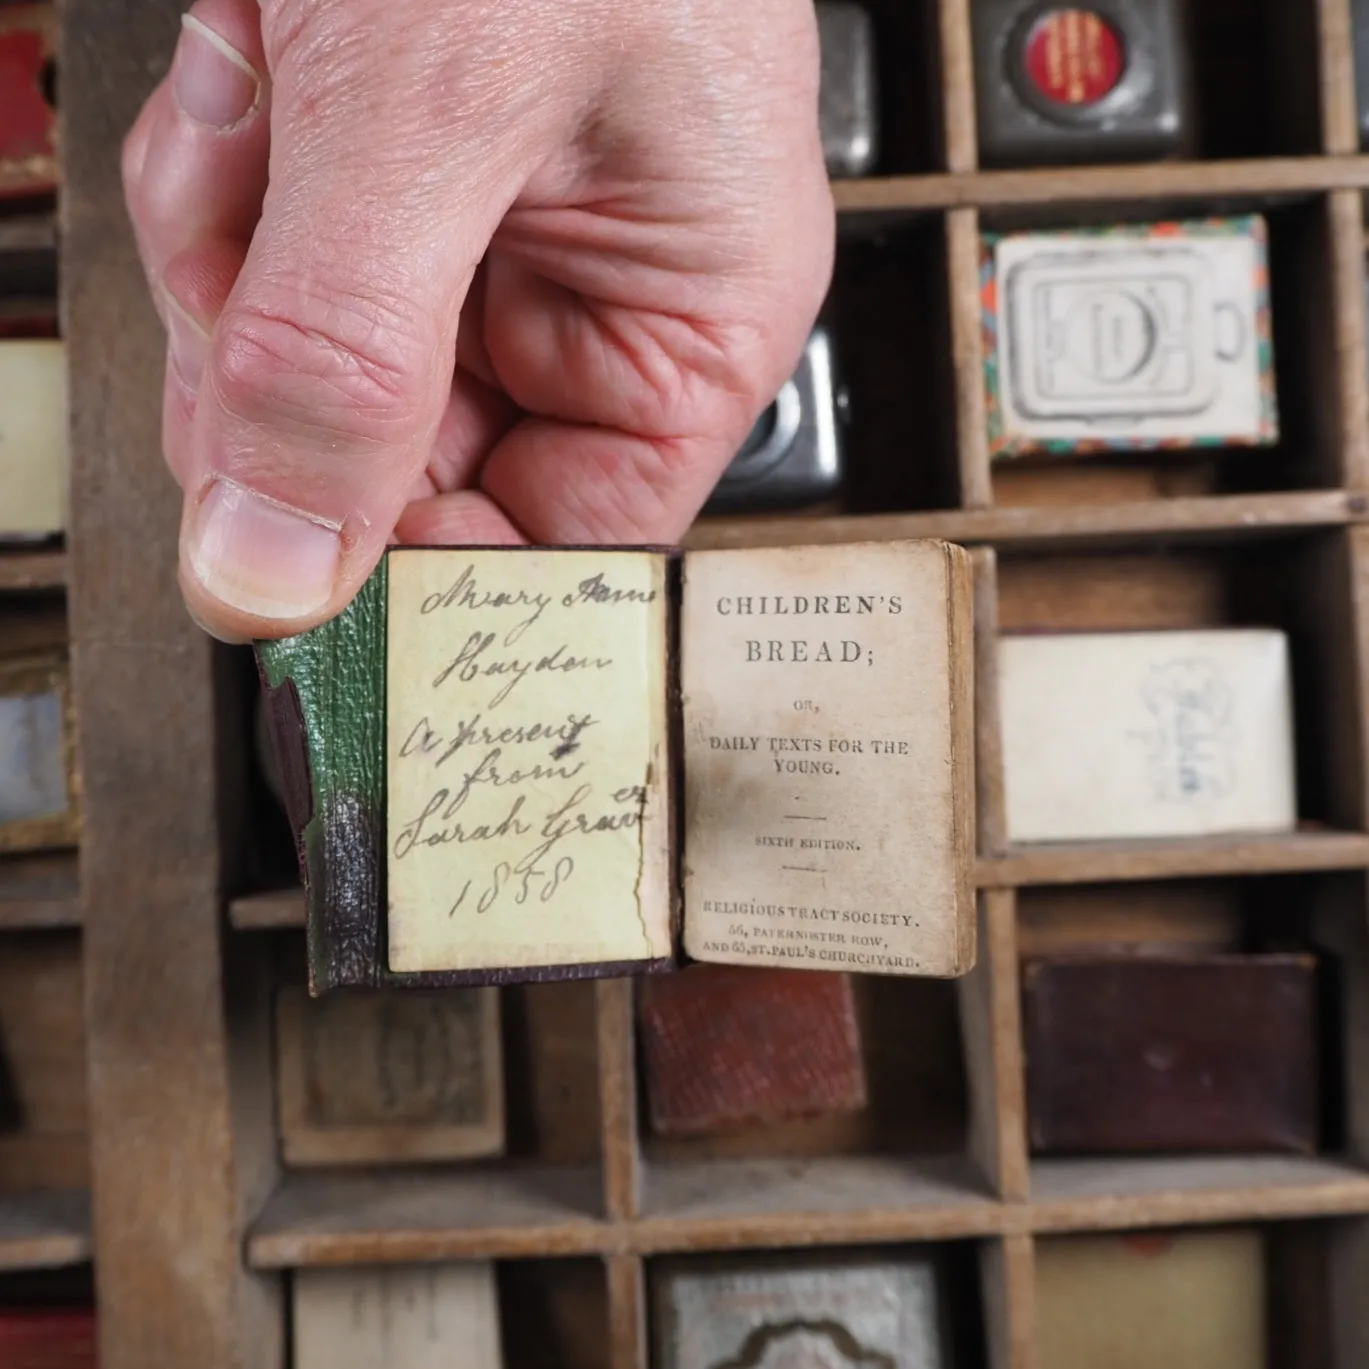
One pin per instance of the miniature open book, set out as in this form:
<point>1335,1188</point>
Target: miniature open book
<point>524,763</point>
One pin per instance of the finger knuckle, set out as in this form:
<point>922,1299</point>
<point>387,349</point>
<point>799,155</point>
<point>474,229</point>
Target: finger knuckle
<point>345,364</point>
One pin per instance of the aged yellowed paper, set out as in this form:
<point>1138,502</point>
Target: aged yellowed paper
<point>527,755</point>
<point>826,770</point>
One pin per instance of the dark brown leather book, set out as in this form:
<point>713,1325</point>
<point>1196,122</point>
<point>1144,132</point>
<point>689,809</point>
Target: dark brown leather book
<point>1197,1053</point>
<point>726,1046</point>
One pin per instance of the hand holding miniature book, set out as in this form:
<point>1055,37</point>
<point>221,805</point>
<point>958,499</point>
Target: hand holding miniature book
<point>524,763</point>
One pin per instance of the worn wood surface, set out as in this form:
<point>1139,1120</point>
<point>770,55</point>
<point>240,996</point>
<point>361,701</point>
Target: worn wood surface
<point>618,1103</point>
<point>1243,178</point>
<point>967,358</point>
<point>990,1017</point>
<point>179,1097</point>
<point>1205,517</point>
<point>1008,1277</point>
<point>179,1090</point>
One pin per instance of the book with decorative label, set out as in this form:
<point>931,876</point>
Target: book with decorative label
<point>386,1078</point>
<point>1130,337</point>
<point>1114,735</point>
<point>840,1313</point>
<point>527,763</point>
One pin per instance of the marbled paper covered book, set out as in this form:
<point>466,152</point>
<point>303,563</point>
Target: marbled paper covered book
<point>519,763</point>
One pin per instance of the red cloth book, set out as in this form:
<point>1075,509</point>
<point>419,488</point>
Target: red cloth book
<point>727,1046</point>
<point>47,1338</point>
<point>28,122</point>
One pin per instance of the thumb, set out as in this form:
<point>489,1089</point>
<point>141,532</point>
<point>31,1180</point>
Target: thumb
<point>328,370</point>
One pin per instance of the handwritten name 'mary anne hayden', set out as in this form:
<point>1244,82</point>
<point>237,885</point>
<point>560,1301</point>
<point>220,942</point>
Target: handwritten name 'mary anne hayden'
<point>528,809</point>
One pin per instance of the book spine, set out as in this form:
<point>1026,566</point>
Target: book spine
<point>325,694</point>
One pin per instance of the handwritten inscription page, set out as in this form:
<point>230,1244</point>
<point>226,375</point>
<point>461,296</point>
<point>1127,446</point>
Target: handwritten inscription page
<point>526,752</point>
<point>1146,734</point>
<point>826,770</point>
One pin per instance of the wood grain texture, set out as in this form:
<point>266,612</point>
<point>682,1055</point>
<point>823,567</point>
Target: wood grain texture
<point>1203,518</point>
<point>1345,229</point>
<point>990,818</point>
<point>1336,59</point>
<point>474,1212</point>
<point>628,1346</point>
<point>1113,1194</point>
<point>323,1220</point>
<point>179,1094</point>
<point>991,1022</point>
<point>957,87</point>
<point>897,196</point>
<point>618,1104</point>
<point>1095,862</point>
<point>1007,1279</point>
<point>729,1204</point>
<point>967,358</point>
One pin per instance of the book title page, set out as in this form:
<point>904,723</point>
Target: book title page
<point>824,811</point>
<point>526,754</point>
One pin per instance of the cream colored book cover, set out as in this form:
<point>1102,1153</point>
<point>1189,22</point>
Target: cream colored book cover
<point>1146,734</point>
<point>527,759</point>
<point>33,437</point>
<point>400,1317</point>
<point>826,698</point>
<point>1151,1300</point>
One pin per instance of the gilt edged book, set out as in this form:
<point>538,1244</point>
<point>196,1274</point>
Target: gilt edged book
<point>508,764</point>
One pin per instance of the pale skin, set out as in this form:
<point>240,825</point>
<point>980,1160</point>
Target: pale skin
<point>467,271</point>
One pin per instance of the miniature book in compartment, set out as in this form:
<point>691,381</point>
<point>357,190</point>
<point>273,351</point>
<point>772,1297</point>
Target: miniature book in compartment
<point>824,1312</point>
<point>399,1316</point>
<point>384,1078</point>
<point>1140,336</point>
<point>524,763</point>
